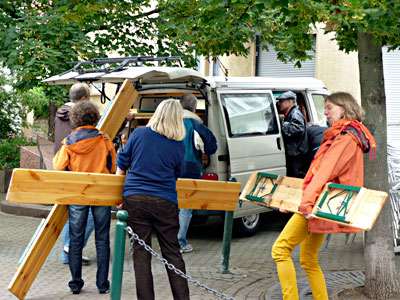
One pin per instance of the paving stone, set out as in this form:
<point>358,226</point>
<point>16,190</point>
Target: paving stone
<point>253,270</point>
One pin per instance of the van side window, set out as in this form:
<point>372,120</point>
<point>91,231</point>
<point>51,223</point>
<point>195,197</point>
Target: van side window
<point>249,114</point>
<point>319,102</point>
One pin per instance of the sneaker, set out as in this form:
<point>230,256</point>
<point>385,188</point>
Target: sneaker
<point>104,292</point>
<point>75,291</point>
<point>186,249</point>
<point>85,259</point>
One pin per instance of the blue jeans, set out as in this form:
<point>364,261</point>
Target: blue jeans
<point>65,236</point>
<point>185,215</point>
<point>78,216</point>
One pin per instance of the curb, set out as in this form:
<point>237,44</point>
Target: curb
<point>27,210</point>
<point>30,210</point>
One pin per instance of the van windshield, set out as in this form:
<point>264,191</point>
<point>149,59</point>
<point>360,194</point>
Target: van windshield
<point>249,114</point>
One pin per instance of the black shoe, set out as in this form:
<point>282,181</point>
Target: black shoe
<point>75,291</point>
<point>104,292</point>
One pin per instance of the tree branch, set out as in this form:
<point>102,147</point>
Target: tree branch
<point>154,11</point>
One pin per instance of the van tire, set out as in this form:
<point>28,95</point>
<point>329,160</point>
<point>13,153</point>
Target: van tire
<point>247,225</point>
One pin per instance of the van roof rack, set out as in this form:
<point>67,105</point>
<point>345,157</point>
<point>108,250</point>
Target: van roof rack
<point>122,61</point>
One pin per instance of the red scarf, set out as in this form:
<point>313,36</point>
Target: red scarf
<point>330,134</point>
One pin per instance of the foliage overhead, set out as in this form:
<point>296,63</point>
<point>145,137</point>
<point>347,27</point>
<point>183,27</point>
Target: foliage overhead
<point>41,38</point>
<point>10,122</point>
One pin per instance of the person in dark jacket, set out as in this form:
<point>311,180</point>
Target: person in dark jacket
<point>198,139</point>
<point>87,149</point>
<point>153,160</point>
<point>63,127</point>
<point>294,135</point>
<point>315,134</point>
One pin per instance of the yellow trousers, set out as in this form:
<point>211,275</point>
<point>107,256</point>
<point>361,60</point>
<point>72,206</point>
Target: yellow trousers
<point>296,232</point>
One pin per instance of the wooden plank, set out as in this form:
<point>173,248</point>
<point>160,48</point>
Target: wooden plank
<point>363,209</point>
<point>170,95</point>
<point>288,193</point>
<point>61,187</point>
<point>361,212</point>
<point>208,195</point>
<point>76,188</point>
<point>37,254</point>
<point>109,123</point>
<point>46,186</point>
<point>369,209</point>
<point>142,116</point>
<point>118,109</point>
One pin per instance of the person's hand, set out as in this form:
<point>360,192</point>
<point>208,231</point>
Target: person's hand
<point>282,209</point>
<point>130,114</point>
<point>119,207</point>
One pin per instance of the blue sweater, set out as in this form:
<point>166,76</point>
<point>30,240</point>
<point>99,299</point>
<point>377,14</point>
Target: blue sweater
<point>155,163</point>
<point>193,166</point>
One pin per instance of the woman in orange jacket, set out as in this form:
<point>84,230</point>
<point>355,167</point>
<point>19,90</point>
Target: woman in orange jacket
<point>338,160</point>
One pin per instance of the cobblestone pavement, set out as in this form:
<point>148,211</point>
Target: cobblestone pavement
<point>253,270</point>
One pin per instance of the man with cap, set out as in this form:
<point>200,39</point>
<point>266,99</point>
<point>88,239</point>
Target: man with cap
<point>294,135</point>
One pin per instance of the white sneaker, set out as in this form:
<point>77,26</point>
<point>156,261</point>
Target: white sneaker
<point>186,249</point>
<point>85,259</point>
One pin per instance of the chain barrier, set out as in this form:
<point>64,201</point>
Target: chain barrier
<point>134,237</point>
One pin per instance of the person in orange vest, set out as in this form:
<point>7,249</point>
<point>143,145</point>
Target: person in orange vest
<point>63,127</point>
<point>87,149</point>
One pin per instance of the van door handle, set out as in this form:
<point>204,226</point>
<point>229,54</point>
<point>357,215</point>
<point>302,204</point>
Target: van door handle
<point>278,142</point>
<point>223,157</point>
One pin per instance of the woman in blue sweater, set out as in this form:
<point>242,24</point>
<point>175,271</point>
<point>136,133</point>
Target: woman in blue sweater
<point>154,156</point>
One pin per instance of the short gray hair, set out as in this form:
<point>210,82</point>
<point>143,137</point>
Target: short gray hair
<point>188,101</point>
<point>79,90</point>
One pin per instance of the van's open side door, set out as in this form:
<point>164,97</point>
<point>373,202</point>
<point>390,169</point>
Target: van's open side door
<point>253,132</point>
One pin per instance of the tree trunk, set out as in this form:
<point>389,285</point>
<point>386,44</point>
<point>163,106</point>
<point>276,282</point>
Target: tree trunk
<point>52,116</point>
<point>381,280</point>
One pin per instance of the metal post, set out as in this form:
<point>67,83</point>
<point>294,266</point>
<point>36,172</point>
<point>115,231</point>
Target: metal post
<point>226,242</point>
<point>118,258</point>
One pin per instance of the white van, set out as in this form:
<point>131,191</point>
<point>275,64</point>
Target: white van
<point>240,111</point>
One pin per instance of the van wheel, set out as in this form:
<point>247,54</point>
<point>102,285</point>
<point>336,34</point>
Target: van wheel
<point>247,225</point>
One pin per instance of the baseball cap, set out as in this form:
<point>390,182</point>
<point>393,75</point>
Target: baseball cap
<point>287,95</point>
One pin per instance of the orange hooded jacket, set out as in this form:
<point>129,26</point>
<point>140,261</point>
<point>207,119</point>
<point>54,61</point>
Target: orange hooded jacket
<point>341,162</point>
<point>86,149</point>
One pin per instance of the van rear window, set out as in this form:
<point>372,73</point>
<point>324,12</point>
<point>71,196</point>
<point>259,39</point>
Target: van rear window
<point>249,114</point>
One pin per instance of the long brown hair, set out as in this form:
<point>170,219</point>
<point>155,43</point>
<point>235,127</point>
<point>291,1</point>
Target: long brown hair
<point>352,110</point>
